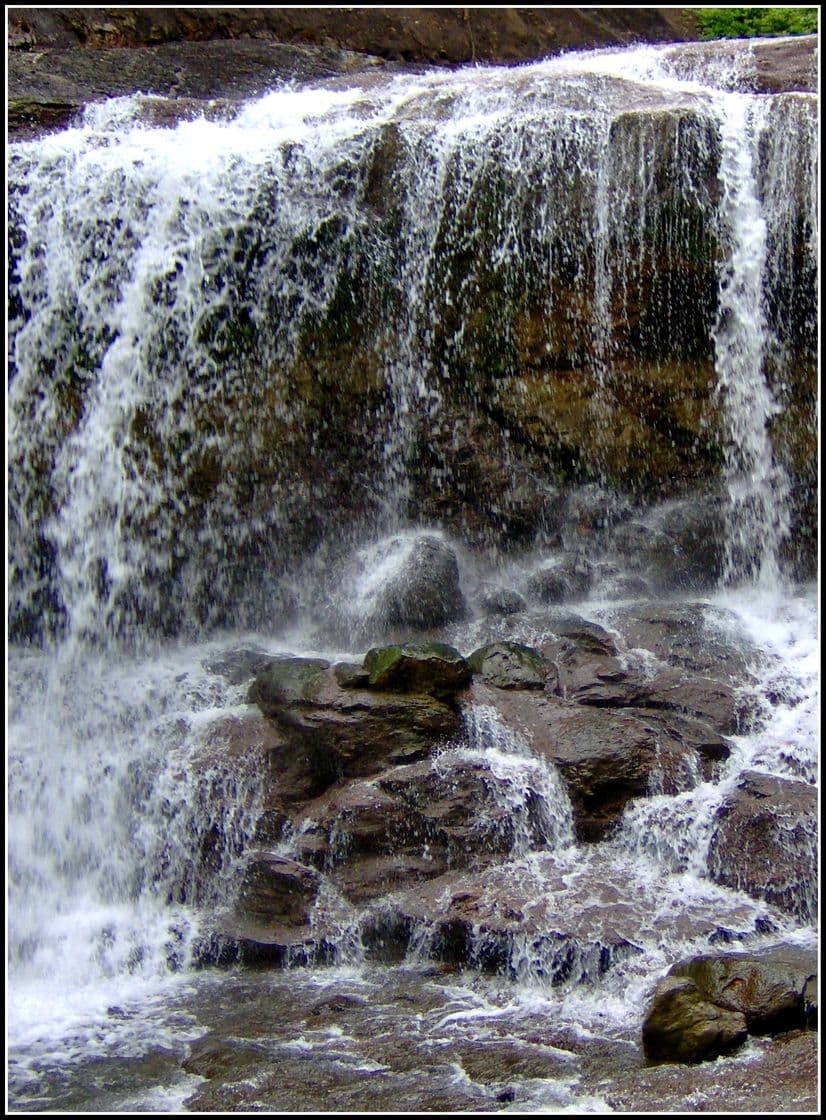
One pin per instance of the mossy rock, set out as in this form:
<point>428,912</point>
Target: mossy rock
<point>287,680</point>
<point>509,665</point>
<point>432,668</point>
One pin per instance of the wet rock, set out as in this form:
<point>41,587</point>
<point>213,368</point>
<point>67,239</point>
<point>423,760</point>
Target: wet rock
<point>465,807</point>
<point>775,65</point>
<point>426,591</point>
<point>402,583</point>
<point>765,842</point>
<point>690,636</point>
<point>561,582</point>
<point>681,1026</point>
<point>587,669</point>
<point>373,877</point>
<point>238,665</point>
<point>767,987</point>
<point>430,668</point>
<point>356,819</point>
<point>278,889</point>
<point>52,86</point>
<point>351,674</point>
<point>286,680</point>
<point>592,510</point>
<point>723,708</point>
<point>509,665</point>
<point>605,757</point>
<point>546,919</point>
<point>429,35</point>
<point>327,733</point>
<point>222,1058</point>
<point>679,546</point>
<point>501,601</point>
<point>695,737</point>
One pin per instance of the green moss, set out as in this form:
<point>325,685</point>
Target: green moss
<point>746,23</point>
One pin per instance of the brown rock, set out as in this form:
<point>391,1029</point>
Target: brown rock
<point>767,987</point>
<point>681,1026</point>
<point>329,733</point>
<point>765,842</point>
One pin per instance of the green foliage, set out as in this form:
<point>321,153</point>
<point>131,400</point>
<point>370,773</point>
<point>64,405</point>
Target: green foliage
<point>746,23</point>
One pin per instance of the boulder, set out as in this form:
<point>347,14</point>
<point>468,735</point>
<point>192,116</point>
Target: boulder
<point>764,842</point>
<point>277,889</point>
<point>425,591</point>
<point>238,664</point>
<point>679,545</point>
<point>681,1026</point>
<point>501,601</point>
<point>707,1005</point>
<point>287,680</point>
<point>606,757</point>
<point>767,987</point>
<point>428,668</point>
<point>509,665</point>
<point>558,583</point>
<point>402,583</point>
<point>691,636</point>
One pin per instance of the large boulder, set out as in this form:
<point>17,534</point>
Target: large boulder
<point>402,583</point>
<point>682,1026</point>
<point>606,757</point>
<point>707,1005</point>
<point>764,842</point>
<point>768,986</point>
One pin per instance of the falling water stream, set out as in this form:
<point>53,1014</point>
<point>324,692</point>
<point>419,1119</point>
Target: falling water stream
<point>162,275</point>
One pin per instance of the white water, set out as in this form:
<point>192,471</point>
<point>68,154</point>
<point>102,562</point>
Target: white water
<point>112,787</point>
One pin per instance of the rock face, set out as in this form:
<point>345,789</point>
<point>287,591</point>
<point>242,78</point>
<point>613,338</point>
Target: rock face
<point>706,1006</point>
<point>414,35</point>
<point>390,774</point>
<point>318,332</point>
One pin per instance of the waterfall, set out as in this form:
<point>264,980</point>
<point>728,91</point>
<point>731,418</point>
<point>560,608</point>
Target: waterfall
<point>180,295</point>
<point>254,357</point>
<point>758,518</point>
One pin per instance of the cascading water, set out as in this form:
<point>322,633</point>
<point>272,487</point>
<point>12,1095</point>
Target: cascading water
<point>241,349</point>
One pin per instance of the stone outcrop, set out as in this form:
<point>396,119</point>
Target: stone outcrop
<point>553,923</point>
<point>330,733</point>
<point>431,668</point>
